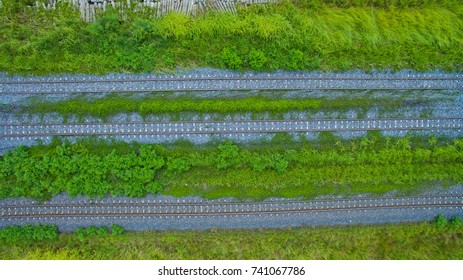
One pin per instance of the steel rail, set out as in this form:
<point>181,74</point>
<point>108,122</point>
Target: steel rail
<point>234,88</point>
<point>189,83</point>
<point>242,78</point>
<point>143,202</point>
<point>225,212</point>
<point>235,127</point>
<point>241,121</point>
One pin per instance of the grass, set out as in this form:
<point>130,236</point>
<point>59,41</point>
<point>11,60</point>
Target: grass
<point>282,167</point>
<point>275,105</point>
<point>153,105</point>
<point>395,241</point>
<point>421,35</point>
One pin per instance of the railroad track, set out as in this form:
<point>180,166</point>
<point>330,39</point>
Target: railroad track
<point>225,127</point>
<point>146,208</point>
<point>226,82</point>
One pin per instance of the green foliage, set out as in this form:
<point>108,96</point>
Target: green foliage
<point>83,233</point>
<point>281,167</point>
<point>177,165</point>
<point>112,105</point>
<point>440,221</point>
<point>117,230</point>
<point>228,155</point>
<point>311,35</point>
<point>230,59</point>
<point>421,241</point>
<point>103,231</point>
<point>72,168</point>
<point>280,163</point>
<point>256,60</point>
<point>455,222</point>
<point>28,234</point>
<point>388,4</point>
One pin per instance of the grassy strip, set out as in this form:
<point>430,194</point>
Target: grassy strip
<point>304,35</point>
<point>372,164</point>
<point>385,4</point>
<point>402,241</point>
<point>112,105</point>
<point>151,105</point>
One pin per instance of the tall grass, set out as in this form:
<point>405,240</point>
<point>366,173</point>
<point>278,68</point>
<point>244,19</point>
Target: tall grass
<point>273,103</point>
<point>402,241</point>
<point>112,105</point>
<point>332,36</point>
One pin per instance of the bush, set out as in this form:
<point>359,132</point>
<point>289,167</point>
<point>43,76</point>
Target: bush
<point>440,221</point>
<point>83,233</point>
<point>295,60</point>
<point>257,60</point>
<point>456,222</point>
<point>28,233</point>
<point>117,230</point>
<point>228,155</point>
<point>92,231</point>
<point>280,164</point>
<point>103,231</point>
<point>230,59</point>
<point>177,165</point>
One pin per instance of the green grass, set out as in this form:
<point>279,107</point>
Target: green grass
<point>152,105</point>
<point>219,107</point>
<point>283,167</point>
<point>419,35</point>
<point>397,241</point>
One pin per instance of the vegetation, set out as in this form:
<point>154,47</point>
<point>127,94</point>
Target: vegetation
<point>27,234</point>
<point>83,233</point>
<point>273,103</point>
<point>285,168</point>
<point>324,35</point>
<point>113,104</point>
<point>402,241</point>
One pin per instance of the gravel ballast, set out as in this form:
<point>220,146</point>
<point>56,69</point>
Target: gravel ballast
<point>214,79</point>
<point>325,211</point>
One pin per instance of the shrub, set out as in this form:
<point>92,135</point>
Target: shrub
<point>103,231</point>
<point>117,230</point>
<point>28,233</point>
<point>280,164</point>
<point>228,155</point>
<point>456,222</point>
<point>230,59</point>
<point>168,60</point>
<point>92,231</point>
<point>440,221</point>
<point>256,60</point>
<point>177,165</point>
<point>81,233</point>
<point>295,60</point>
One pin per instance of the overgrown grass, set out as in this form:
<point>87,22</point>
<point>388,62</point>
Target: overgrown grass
<point>114,104</point>
<point>400,241</point>
<point>373,164</point>
<point>419,35</point>
<point>154,105</point>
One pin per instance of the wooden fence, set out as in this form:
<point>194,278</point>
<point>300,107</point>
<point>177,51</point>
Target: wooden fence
<point>89,8</point>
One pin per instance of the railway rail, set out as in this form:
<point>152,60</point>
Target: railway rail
<point>55,85</point>
<point>225,127</point>
<point>121,208</point>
